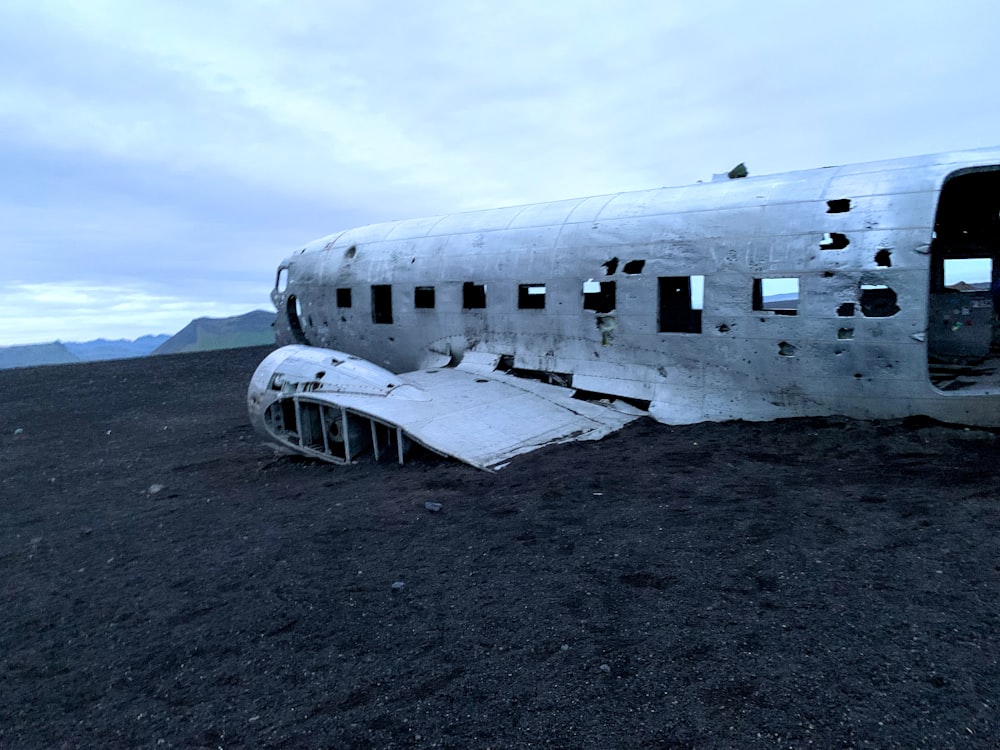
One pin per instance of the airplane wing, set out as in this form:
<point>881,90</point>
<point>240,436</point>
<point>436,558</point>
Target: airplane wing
<point>337,407</point>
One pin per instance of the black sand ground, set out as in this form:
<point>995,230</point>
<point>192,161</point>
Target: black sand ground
<point>822,583</point>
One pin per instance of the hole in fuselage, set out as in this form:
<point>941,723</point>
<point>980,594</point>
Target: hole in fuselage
<point>634,267</point>
<point>834,241</point>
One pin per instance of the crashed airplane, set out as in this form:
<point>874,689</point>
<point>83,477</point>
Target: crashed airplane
<point>860,290</point>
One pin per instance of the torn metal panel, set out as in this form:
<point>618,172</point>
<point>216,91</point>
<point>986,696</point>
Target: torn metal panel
<point>335,407</point>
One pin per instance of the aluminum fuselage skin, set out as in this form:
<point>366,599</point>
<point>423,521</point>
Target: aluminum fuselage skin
<point>835,232</point>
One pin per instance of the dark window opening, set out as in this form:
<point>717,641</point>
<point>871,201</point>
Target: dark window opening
<point>344,297</point>
<point>382,303</point>
<point>351,251</point>
<point>610,266</point>
<point>473,296</point>
<point>878,301</point>
<point>884,257</point>
<point>786,350</point>
<point>834,241</point>
<point>838,206</point>
<point>680,303</point>
<point>634,266</point>
<point>599,296</point>
<point>846,310</point>
<point>531,296</point>
<point>423,297</point>
<point>780,296</point>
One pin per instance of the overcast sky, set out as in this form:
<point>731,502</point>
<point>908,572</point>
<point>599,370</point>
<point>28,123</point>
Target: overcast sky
<point>160,158</point>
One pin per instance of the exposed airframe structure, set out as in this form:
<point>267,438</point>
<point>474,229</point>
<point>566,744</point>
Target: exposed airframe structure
<point>482,335</point>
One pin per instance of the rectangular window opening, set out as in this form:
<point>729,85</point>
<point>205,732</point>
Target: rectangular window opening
<point>344,297</point>
<point>382,303</point>
<point>423,297</point>
<point>681,299</point>
<point>779,296</point>
<point>968,274</point>
<point>531,296</point>
<point>473,296</point>
<point>599,296</point>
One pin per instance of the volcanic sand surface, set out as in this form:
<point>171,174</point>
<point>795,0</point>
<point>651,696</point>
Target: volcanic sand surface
<point>170,581</point>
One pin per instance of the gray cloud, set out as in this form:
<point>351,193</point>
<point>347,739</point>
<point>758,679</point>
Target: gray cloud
<point>179,151</point>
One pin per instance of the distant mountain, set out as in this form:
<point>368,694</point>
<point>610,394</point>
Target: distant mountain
<point>92,351</point>
<point>251,329</point>
<point>962,286</point>
<point>29,355</point>
<point>58,353</point>
<point>781,301</point>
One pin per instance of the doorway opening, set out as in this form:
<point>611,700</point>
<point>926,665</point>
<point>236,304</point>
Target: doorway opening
<point>963,335</point>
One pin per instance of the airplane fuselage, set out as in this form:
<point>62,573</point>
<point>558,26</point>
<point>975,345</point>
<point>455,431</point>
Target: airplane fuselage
<point>810,293</point>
